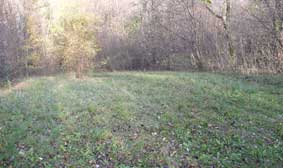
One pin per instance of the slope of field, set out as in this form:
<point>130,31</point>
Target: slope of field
<point>135,119</point>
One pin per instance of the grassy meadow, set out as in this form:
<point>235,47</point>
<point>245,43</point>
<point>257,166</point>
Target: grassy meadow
<point>137,119</point>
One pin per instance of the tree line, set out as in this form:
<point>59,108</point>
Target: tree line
<point>46,36</point>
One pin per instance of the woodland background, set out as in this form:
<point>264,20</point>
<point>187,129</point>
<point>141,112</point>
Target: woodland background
<point>40,37</point>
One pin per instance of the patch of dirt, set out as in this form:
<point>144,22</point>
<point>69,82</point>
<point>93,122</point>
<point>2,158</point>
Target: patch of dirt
<point>21,86</point>
<point>18,86</point>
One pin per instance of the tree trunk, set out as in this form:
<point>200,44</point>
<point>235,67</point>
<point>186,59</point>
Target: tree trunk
<point>79,72</point>
<point>280,55</point>
<point>195,41</point>
<point>228,34</point>
<point>79,68</point>
<point>278,33</point>
<point>226,21</point>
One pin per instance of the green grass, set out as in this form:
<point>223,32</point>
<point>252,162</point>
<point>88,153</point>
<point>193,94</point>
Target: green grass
<point>135,119</point>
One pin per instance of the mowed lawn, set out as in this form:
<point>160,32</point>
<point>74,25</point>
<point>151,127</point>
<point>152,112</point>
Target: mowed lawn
<point>143,119</point>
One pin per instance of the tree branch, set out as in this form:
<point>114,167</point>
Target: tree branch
<point>213,13</point>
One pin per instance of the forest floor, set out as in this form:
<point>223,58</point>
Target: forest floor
<point>136,119</point>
